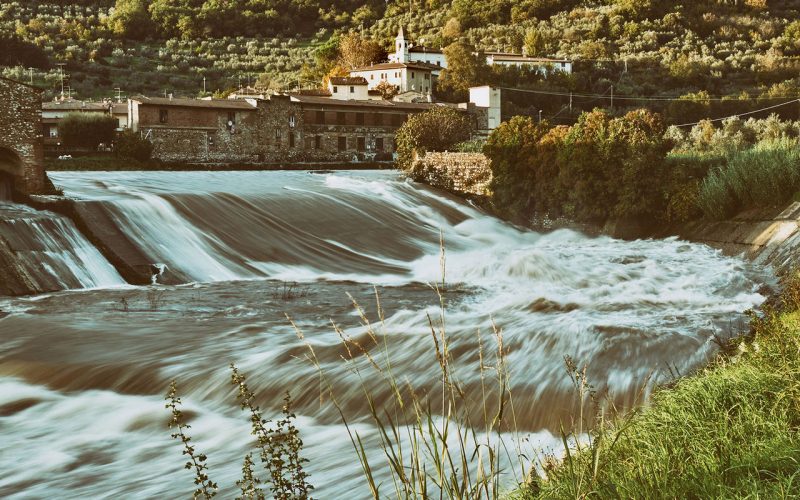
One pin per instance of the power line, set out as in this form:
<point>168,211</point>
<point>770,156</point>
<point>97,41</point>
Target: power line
<point>740,114</point>
<point>647,98</point>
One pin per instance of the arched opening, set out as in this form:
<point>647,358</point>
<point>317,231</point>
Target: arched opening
<point>10,171</point>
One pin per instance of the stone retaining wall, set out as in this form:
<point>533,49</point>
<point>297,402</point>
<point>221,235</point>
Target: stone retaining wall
<point>459,172</point>
<point>767,237</point>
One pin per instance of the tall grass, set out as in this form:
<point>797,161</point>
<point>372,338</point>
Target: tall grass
<point>731,431</point>
<point>764,176</point>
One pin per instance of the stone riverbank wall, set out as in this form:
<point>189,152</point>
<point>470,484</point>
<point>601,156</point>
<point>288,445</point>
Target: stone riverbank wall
<point>466,173</point>
<point>768,237</point>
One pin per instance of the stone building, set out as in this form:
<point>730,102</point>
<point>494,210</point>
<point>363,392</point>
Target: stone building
<point>216,130</point>
<point>280,128</point>
<point>21,148</point>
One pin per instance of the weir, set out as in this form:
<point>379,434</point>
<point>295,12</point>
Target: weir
<point>242,250</point>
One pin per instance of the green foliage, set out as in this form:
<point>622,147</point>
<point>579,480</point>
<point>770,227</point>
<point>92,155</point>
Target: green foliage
<point>357,52</point>
<point>438,129</point>
<point>131,19</point>
<point>87,130</point>
<point>601,167</point>
<point>764,176</point>
<point>20,52</point>
<point>129,144</point>
<point>465,69</point>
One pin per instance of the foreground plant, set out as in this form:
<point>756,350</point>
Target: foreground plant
<point>280,448</point>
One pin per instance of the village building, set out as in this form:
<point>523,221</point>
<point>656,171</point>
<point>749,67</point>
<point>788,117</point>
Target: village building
<point>281,128</point>
<point>543,64</point>
<point>195,129</point>
<point>119,110</point>
<point>53,112</point>
<point>407,52</point>
<point>349,88</point>
<point>21,148</point>
<point>414,77</point>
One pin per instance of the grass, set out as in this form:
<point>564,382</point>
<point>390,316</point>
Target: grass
<point>764,176</point>
<point>729,431</point>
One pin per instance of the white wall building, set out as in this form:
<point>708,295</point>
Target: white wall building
<point>348,88</point>
<point>417,77</point>
<point>405,51</point>
<point>490,98</point>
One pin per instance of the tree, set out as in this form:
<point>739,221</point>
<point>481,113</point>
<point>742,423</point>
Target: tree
<point>356,52</point>
<point>452,30</point>
<point>534,43</point>
<point>465,69</point>
<point>130,144</point>
<point>387,90</point>
<point>437,129</point>
<point>19,52</point>
<point>131,19</point>
<point>87,130</point>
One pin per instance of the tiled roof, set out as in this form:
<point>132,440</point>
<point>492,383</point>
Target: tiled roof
<point>365,104</point>
<point>519,57</point>
<point>196,103</point>
<point>348,80</point>
<point>399,65</point>
<point>426,50</point>
<point>74,105</point>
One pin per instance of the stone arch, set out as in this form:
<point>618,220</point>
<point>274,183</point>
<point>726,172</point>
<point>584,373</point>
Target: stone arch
<point>11,172</point>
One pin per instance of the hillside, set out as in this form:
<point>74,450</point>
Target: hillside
<point>747,50</point>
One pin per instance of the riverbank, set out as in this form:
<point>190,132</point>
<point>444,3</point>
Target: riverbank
<point>114,164</point>
<point>729,431</point>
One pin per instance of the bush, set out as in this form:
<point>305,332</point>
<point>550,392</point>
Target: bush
<point>129,144</point>
<point>764,176</point>
<point>87,130</point>
<point>438,129</point>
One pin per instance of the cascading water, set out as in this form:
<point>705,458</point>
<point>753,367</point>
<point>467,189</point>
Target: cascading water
<point>47,252</point>
<point>88,410</point>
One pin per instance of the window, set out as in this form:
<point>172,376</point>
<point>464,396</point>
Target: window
<point>163,115</point>
<point>412,75</point>
<point>317,142</point>
<point>277,135</point>
<point>342,143</point>
<point>292,121</point>
<point>291,139</point>
<point>372,76</point>
<point>341,118</point>
<point>210,139</point>
<point>320,117</point>
<point>397,120</point>
<point>352,90</point>
<point>379,144</point>
<point>427,76</point>
<point>335,89</point>
<point>387,119</point>
<point>361,144</point>
<point>359,118</point>
<point>231,118</point>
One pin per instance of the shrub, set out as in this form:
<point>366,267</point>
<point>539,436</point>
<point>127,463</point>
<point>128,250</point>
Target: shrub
<point>438,129</point>
<point>764,176</point>
<point>130,144</point>
<point>87,130</point>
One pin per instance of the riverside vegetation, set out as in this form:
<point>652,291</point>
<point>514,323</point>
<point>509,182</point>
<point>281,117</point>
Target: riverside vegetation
<point>745,51</point>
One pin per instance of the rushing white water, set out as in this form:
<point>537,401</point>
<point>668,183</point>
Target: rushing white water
<point>51,253</point>
<point>89,411</point>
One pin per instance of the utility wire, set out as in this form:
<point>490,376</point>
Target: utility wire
<point>645,98</point>
<point>740,114</point>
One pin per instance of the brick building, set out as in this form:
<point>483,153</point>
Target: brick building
<point>21,148</point>
<point>281,128</point>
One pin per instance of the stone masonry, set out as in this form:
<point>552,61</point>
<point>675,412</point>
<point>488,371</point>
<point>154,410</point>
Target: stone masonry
<point>21,141</point>
<point>469,173</point>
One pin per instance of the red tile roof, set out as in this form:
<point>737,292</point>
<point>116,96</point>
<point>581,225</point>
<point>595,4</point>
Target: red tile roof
<point>348,80</point>
<point>196,103</point>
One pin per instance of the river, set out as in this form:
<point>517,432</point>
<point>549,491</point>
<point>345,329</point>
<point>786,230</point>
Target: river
<point>83,371</point>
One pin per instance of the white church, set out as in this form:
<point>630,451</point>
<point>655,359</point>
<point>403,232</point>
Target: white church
<point>405,52</point>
